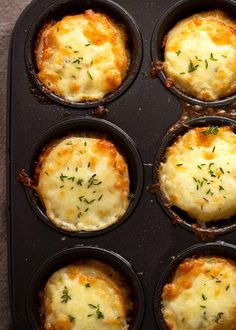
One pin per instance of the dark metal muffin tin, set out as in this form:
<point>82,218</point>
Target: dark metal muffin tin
<point>144,111</point>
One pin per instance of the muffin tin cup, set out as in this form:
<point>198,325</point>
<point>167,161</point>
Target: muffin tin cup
<point>167,21</point>
<point>77,253</point>
<point>180,217</point>
<point>103,128</point>
<point>218,248</point>
<point>56,11</point>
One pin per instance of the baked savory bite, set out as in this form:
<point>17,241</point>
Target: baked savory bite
<point>200,55</point>
<point>198,173</point>
<point>86,295</point>
<point>83,183</point>
<point>82,57</point>
<point>201,295</point>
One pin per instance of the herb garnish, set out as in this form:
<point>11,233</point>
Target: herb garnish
<point>93,181</point>
<point>198,59</point>
<point>192,67</point>
<point>65,295</point>
<point>212,58</point>
<point>71,318</point>
<point>100,197</point>
<point>78,60</point>
<point>178,52</point>
<point>211,130</point>
<point>99,314</point>
<point>204,297</point>
<point>218,317</point>
<point>89,75</point>
<point>79,182</point>
<point>62,177</point>
<point>221,169</point>
<point>89,202</point>
<point>93,306</point>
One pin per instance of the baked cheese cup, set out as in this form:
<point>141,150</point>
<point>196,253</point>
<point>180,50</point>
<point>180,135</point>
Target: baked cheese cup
<point>195,170</point>
<point>198,289</point>
<point>85,288</point>
<point>87,57</point>
<point>83,182</point>
<point>87,176</point>
<point>86,295</point>
<point>198,52</point>
<point>82,57</point>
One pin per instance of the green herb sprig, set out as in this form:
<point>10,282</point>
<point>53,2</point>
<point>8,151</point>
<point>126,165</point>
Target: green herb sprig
<point>65,296</point>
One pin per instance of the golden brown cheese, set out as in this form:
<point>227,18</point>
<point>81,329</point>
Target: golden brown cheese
<point>88,295</point>
<point>82,57</point>
<point>198,174</point>
<point>201,295</point>
<point>200,55</point>
<point>83,183</point>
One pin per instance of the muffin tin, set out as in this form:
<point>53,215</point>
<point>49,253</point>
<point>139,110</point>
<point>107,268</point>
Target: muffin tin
<point>138,116</point>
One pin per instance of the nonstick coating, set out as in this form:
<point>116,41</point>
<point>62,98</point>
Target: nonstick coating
<point>145,111</point>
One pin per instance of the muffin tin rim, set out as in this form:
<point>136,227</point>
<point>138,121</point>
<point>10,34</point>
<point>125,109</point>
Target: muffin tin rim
<point>217,248</point>
<point>156,56</point>
<point>168,140</point>
<point>80,123</point>
<point>55,262</point>
<point>107,99</point>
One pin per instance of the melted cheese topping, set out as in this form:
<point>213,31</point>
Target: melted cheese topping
<point>200,55</point>
<point>202,295</point>
<point>86,296</point>
<point>83,183</point>
<point>199,173</point>
<point>82,57</point>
